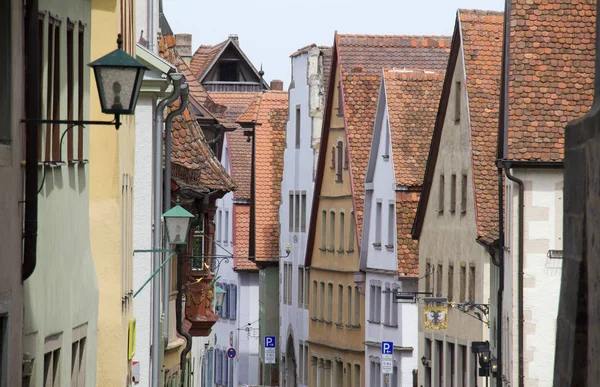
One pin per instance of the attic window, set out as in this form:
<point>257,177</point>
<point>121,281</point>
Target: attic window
<point>228,71</point>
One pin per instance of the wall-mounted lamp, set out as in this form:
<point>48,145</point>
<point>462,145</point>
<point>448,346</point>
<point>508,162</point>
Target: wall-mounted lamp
<point>424,361</point>
<point>119,79</point>
<point>177,223</point>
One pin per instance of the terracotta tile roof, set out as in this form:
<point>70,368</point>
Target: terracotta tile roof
<point>413,100</point>
<point>203,56</point>
<point>551,81</point>
<point>194,164</point>
<point>327,59</point>
<point>482,48</point>
<point>240,152</point>
<point>236,102</point>
<point>361,60</point>
<point>242,232</point>
<point>408,248</point>
<point>270,143</point>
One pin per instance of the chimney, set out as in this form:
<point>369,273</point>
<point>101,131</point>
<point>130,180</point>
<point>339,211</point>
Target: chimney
<point>235,39</point>
<point>183,43</point>
<point>277,85</point>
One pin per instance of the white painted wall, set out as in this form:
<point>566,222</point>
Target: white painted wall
<point>543,221</point>
<point>306,93</point>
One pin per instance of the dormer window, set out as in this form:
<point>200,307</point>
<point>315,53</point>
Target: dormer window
<point>228,71</point>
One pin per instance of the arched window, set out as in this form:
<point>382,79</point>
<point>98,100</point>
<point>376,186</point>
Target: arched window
<point>332,230</point>
<point>342,232</point>
<point>324,230</point>
<point>352,232</point>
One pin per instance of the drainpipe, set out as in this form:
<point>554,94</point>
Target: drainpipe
<point>184,92</point>
<point>150,31</point>
<point>520,267</point>
<point>32,110</point>
<point>500,297</point>
<point>157,213</point>
<point>178,317</point>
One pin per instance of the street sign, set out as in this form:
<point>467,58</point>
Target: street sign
<point>387,357</point>
<point>270,356</point>
<point>231,353</point>
<point>269,341</point>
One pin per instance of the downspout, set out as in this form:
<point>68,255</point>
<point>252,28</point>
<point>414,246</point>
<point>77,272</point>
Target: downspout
<point>178,308</point>
<point>150,32</point>
<point>500,296</point>
<point>184,92</point>
<point>156,232</point>
<point>520,268</point>
<point>32,110</point>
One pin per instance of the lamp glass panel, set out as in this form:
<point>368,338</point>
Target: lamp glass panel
<point>116,88</point>
<point>177,230</point>
<point>219,295</point>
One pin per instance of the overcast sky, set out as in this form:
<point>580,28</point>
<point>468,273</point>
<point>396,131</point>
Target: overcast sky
<point>270,30</point>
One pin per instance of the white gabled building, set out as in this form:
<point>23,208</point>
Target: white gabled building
<point>406,110</point>
<point>310,68</point>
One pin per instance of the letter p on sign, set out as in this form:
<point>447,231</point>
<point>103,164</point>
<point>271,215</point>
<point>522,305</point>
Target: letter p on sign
<point>387,347</point>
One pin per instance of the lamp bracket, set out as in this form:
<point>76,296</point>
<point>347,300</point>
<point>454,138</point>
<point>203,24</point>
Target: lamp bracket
<point>116,122</point>
<point>481,313</point>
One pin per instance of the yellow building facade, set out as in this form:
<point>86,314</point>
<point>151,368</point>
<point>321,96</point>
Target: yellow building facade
<point>336,336</point>
<point>111,193</point>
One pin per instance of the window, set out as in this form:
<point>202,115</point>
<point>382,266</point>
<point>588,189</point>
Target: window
<point>52,360</point>
<point>439,346</point>
<point>322,308</point>
<point>340,160</point>
<point>457,101</point>
<point>219,225</point>
<point>291,211</point>
<point>226,300</point>
<point>428,352</point>
<point>225,369</point>
<point>300,287</point>
<point>226,227</point>
<point>324,230</point>
<point>233,302</point>
<point>333,157</point>
<point>394,320</point>
<point>388,301</point>
<point>198,245</point>
<point>5,77</point>
<point>218,366</point>
<point>78,356</point>
<point>377,302</point>
<point>306,287</point>
<point>3,347</point>
<point>441,195</point>
<point>428,275</point>
<point>395,374</point>
<point>52,64</point>
<point>453,193</point>
<point>70,85</point>
<point>451,367</point>
<point>306,363</point>
<point>450,283</point>
<point>340,304</point>
<point>352,232</point>
<point>356,307</point>
<point>463,283</point>
<point>297,126</point>
<point>346,158</point>
<point>386,150</point>
<point>374,377</point>
<point>301,363</point>
<point>342,232</point>
<point>329,302</point>
<point>290,283</point>
<point>348,374</point>
<point>372,301</point>
<point>340,109</point>
<point>439,280</point>
<point>332,231</point>
<point>297,213</point>
<point>356,376</point>
<point>463,194</point>
<point>80,89</point>
<point>349,305</point>
<point>471,283</point>
<point>378,224</point>
<point>313,369</point>
<point>303,213</point>
<point>462,359</point>
<point>228,71</point>
<point>314,299</point>
<point>391,228</point>
<point>287,279</point>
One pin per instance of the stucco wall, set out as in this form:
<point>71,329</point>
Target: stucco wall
<point>11,289</point>
<point>543,219</point>
<point>449,238</point>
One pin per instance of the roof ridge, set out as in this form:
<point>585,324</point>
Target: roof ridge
<point>481,12</point>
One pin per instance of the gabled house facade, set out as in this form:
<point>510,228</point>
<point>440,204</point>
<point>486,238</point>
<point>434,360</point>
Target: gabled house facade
<point>531,144</point>
<point>337,314</point>
<point>456,222</point>
<point>310,70</point>
<point>406,111</point>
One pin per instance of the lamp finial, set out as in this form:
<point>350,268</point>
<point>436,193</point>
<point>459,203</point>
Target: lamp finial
<point>120,41</point>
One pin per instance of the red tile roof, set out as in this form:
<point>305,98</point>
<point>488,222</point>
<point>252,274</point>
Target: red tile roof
<point>408,248</point>
<point>203,57</point>
<point>361,60</point>
<point>237,102</point>
<point>413,99</point>
<point>240,151</point>
<point>482,48</point>
<point>242,232</point>
<point>551,81</point>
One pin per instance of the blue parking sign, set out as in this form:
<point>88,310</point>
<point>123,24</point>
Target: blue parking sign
<point>269,341</point>
<point>387,347</point>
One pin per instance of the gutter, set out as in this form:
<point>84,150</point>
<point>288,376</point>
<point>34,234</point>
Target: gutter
<point>32,110</point>
<point>156,231</point>
<point>184,93</point>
